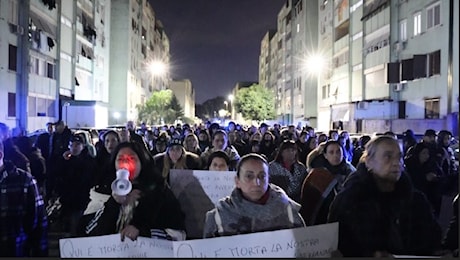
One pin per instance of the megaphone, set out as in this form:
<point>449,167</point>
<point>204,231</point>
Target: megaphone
<point>121,185</point>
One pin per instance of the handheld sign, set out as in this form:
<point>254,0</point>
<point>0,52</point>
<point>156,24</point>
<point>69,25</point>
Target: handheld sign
<point>313,241</point>
<point>110,246</point>
<point>198,192</point>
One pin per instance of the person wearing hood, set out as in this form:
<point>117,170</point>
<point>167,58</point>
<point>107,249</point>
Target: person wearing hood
<point>255,205</point>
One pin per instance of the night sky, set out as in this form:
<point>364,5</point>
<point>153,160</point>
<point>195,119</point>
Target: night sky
<point>216,43</point>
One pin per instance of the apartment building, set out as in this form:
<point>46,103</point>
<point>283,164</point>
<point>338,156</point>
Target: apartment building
<point>63,54</point>
<point>185,94</point>
<point>386,67</point>
<point>138,39</point>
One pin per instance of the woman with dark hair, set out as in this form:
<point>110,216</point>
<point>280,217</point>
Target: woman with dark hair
<point>331,174</point>
<point>101,190</point>
<point>218,161</point>
<point>286,171</point>
<point>424,174</point>
<point>268,145</point>
<point>150,209</point>
<point>255,205</point>
<point>220,143</point>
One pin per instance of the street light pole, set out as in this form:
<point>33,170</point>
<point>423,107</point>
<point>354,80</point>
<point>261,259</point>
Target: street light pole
<point>230,98</point>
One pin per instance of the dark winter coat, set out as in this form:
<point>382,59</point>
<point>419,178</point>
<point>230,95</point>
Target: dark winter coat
<point>157,209</point>
<point>399,222</point>
<point>74,181</point>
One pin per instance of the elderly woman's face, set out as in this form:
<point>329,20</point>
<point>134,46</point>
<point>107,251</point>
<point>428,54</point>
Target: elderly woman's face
<point>387,162</point>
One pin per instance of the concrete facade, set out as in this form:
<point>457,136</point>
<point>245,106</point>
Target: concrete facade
<point>385,69</point>
<point>185,94</point>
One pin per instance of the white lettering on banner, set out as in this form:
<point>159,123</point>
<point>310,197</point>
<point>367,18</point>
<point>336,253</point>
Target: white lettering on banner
<point>314,241</point>
<point>111,246</point>
<point>198,192</point>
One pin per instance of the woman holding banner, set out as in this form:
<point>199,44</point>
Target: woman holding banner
<point>254,205</point>
<point>150,209</point>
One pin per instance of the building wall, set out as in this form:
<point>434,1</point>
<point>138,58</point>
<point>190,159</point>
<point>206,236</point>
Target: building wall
<point>358,43</point>
<point>185,94</point>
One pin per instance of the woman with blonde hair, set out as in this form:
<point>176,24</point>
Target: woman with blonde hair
<point>191,144</point>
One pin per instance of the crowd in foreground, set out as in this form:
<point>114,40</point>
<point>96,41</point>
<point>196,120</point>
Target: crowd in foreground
<point>386,199</point>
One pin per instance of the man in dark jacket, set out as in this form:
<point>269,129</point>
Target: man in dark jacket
<point>43,140</point>
<point>59,142</point>
<point>23,223</point>
<point>77,170</point>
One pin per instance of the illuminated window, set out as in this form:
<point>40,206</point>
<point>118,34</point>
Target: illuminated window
<point>403,30</point>
<point>417,23</point>
<point>432,108</point>
<point>433,15</point>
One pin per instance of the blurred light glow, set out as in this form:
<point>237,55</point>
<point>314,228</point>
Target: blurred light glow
<point>116,115</point>
<point>157,68</point>
<point>315,64</point>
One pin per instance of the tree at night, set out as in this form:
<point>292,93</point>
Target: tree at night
<point>255,103</point>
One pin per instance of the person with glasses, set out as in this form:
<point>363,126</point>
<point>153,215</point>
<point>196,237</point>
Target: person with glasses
<point>255,205</point>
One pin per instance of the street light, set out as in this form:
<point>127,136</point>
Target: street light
<point>116,115</point>
<point>230,98</point>
<point>66,104</point>
<point>157,68</point>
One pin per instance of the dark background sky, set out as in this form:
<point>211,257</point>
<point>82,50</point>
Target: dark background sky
<point>216,43</point>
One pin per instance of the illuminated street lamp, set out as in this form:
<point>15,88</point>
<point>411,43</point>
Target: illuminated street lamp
<point>116,115</point>
<point>157,68</point>
<point>314,64</point>
<point>230,98</point>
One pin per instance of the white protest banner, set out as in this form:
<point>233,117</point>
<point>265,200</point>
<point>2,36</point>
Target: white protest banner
<point>312,242</point>
<point>197,192</point>
<point>110,246</point>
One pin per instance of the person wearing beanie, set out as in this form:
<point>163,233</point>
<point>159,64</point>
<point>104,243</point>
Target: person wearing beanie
<point>176,157</point>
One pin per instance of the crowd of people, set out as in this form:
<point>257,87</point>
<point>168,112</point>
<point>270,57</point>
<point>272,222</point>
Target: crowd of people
<point>386,195</point>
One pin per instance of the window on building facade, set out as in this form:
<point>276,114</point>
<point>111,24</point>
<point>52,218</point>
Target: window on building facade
<point>32,102</point>
<point>433,15</point>
<point>417,23</point>
<point>12,57</point>
<point>407,69</point>
<point>434,63</point>
<point>403,30</point>
<point>50,70</point>
<point>419,64</point>
<point>13,12</point>
<point>11,104</point>
<point>432,108</point>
